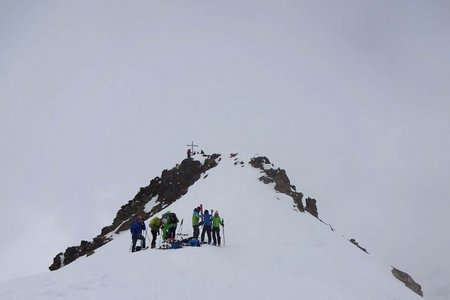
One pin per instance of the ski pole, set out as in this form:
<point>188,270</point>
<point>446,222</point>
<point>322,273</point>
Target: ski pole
<point>211,230</point>
<point>180,230</point>
<point>146,235</point>
<point>223,230</point>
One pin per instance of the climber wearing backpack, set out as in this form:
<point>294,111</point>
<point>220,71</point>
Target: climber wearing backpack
<point>169,227</point>
<point>195,222</point>
<point>136,233</point>
<point>172,224</point>
<point>165,225</point>
<point>155,225</point>
<point>206,226</point>
<point>216,222</point>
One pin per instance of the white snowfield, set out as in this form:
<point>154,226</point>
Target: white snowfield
<point>271,251</point>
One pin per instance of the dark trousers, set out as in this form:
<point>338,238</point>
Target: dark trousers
<point>136,237</point>
<point>154,235</point>
<point>216,236</point>
<point>207,230</point>
<point>171,233</point>
<point>196,231</point>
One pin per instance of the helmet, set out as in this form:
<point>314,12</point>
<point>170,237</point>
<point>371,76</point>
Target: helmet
<point>206,212</point>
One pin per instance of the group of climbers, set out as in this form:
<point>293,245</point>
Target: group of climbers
<point>168,225</point>
<point>211,224</point>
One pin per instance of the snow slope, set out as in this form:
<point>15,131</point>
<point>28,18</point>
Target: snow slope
<point>271,250</point>
<point>351,97</point>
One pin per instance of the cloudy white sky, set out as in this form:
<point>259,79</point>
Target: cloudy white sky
<point>350,97</point>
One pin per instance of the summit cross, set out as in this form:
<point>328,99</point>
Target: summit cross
<point>192,146</point>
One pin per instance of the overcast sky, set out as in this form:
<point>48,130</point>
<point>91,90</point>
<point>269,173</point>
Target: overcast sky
<point>350,97</point>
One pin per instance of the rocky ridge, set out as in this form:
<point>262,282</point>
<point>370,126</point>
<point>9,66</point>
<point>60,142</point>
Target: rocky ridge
<point>166,189</point>
<point>282,183</point>
<point>174,183</point>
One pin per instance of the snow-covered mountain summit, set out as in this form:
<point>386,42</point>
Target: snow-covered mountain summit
<point>270,248</point>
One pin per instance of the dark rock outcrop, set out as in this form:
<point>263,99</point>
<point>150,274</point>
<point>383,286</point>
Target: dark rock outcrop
<point>311,207</point>
<point>408,281</point>
<point>259,162</point>
<point>58,262</point>
<point>354,242</point>
<point>74,252</point>
<point>169,187</point>
<point>279,177</point>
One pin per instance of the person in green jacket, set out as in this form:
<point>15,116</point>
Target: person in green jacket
<point>155,225</point>
<point>216,222</point>
<point>195,222</point>
<point>169,227</point>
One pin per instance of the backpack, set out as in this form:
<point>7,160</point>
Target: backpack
<point>194,243</point>
<point>176,245</point>
<point>155,223</point>
<point>172,219</point>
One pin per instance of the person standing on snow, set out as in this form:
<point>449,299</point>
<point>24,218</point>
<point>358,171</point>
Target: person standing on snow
<point>136,232</point>
<point>173,223</point>
<point>206,226</point>
<point>155,225</point>
<point>195,222</point>
<point>216,222</point>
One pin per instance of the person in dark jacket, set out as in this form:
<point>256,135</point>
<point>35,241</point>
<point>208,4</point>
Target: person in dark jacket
<point>136,232</point>
<point>207,222</point>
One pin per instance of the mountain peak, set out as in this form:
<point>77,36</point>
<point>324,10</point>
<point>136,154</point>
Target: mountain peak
<point>265,234</point>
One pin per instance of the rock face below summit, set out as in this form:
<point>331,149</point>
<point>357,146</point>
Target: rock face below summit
<point>170,186</point>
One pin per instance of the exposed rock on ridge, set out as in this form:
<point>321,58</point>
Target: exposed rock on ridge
<point>354,242</point>
<point>311,207</point>
<point>282,183</point>
<point>408,281</point>
<point>169,187</point>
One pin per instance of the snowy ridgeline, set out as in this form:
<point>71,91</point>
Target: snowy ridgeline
<point>271,251</point>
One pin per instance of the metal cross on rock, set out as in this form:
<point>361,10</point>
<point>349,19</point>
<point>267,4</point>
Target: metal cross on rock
<point>192,146</point>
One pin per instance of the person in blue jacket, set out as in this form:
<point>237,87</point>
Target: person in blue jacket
<point>207,223</point>
<point>136,232</point>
